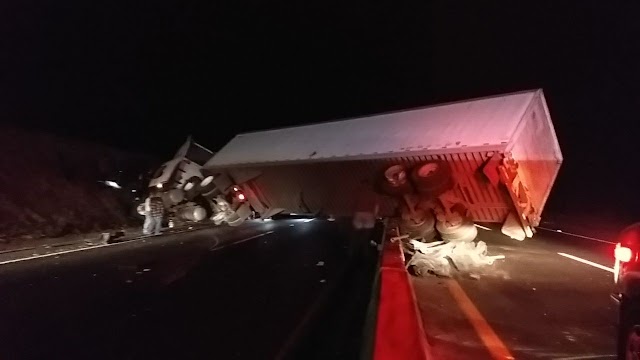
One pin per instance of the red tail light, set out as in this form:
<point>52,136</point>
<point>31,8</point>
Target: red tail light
<point>241,196</point>
<point>623,254</point>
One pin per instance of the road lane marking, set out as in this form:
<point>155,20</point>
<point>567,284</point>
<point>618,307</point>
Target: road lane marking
<point>576,235</point>
<point>585,261</point>
<point>490,339</point>
<point>66,252</point>
<point>143,239</point>
<point>252,237</point>
<point>241,241</point>
<point>585,357</point>
<point>483,227</point>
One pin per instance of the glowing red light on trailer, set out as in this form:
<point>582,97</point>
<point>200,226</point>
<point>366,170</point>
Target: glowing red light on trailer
<point>241,196</point>
<point>622,253</point>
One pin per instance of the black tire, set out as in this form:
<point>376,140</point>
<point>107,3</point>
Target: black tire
<point>394,181</point>
<point>194,191</point>
<point>204,188</point>
<point>204,203</point>
<point>628,325</point>
<point>207,190</point>
<point>432,178</point>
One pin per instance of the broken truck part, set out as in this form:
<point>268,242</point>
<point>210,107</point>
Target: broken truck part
<point>441,167</point>
<point>192,194</point>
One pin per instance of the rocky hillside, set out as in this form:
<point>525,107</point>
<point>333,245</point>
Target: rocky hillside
<point>50,186</point>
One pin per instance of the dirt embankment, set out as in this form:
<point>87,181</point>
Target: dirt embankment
<point>51,186</point>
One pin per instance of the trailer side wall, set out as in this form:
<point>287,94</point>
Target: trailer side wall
<point>336,187</point>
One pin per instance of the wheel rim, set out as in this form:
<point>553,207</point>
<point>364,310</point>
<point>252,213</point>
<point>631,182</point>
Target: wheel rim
<point>395,175</point>
<point>633,344</point>
<point>427,170</point>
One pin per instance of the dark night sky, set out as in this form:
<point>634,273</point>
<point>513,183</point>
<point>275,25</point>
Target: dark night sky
<point>144,75</point>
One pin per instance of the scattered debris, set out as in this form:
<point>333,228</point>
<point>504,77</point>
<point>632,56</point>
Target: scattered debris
<point>396,238</point>
<point>443,258</point>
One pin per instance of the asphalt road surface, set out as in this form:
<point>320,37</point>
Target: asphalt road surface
<point>294,289</point>
<point>535,304</point>
<point>251,292</point>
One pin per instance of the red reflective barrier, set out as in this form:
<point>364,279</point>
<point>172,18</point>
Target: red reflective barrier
<point>399,331</point>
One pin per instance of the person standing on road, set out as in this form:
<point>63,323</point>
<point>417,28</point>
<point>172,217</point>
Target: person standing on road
<point>154,210</point>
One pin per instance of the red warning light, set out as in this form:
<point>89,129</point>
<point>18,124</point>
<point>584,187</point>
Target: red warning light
<point>241,196</point>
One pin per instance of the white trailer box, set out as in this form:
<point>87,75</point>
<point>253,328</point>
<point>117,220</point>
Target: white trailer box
<point>502,150</point>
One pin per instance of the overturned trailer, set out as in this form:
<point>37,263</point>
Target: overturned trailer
<point>441,167</point>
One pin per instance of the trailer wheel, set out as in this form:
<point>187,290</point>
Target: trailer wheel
<point>419,228</point>
<point>465,231</point>
<point>432,178</point>
<point>207,186</point>
<point>191,187</point>
<point>394,181</point>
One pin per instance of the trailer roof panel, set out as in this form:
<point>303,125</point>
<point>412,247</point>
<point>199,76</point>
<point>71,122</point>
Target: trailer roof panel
<point>486,122</point>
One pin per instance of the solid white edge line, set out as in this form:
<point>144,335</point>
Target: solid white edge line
<point>576,235</point>
<point>252,237</point>
<point>67,251</point>
<point>585,357</point>
<point>101,246</point>
<point>243,240</point>
<point>584,261</point>
<point>483,227</point>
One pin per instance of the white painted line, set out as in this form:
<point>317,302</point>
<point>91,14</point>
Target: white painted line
<point>483,227</point>
<point>142,238</point>
<point>584,261</point>
<point>585,357</point>
<point>65,252</point>
<point>241,241</point>
<point>577,235</point>
<point>251,238</point>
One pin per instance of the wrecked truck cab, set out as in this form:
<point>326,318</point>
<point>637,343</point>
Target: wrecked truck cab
<point>192,194</point>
